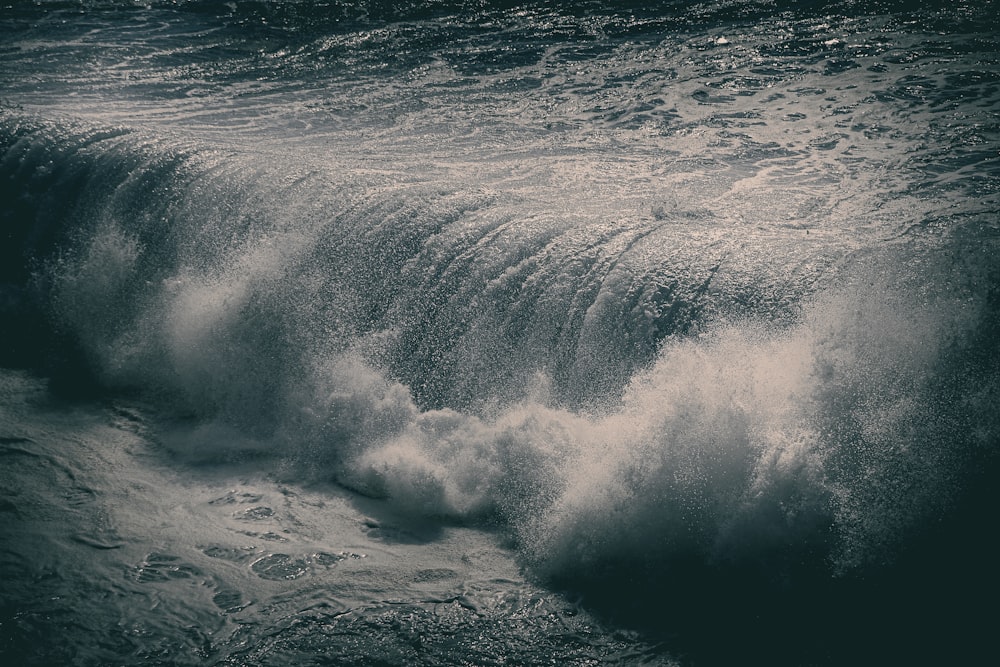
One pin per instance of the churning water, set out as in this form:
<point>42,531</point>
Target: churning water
<point>498,333</point>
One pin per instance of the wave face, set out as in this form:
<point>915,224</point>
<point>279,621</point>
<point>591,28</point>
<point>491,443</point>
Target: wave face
<point>698,304</point>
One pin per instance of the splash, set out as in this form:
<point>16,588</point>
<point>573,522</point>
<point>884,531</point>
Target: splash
<point>645,418</point>
<point>839,436</point>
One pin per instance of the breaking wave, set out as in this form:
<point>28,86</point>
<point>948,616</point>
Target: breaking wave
<point>643,421</point>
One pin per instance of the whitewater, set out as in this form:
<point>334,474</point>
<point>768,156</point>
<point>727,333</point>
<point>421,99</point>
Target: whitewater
<point>498,333</point>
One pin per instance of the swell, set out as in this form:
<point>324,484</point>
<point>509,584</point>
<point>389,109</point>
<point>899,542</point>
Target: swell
<point>625,397</point>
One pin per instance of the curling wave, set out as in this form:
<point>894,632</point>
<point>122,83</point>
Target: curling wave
<point>631,401</point>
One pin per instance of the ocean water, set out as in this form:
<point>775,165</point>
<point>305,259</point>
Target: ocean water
<point>499,333</point>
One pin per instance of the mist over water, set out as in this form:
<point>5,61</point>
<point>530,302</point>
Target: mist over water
<point>686,315</point>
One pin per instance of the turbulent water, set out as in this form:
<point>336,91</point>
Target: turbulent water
<point>498,333</point>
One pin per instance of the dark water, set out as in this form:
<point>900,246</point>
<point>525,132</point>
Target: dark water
<point>483,333</point>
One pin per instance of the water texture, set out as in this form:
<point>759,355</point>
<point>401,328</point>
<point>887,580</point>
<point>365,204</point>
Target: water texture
<point>498,333</point>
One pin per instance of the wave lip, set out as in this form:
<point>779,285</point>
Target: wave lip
<point>152,255</point>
